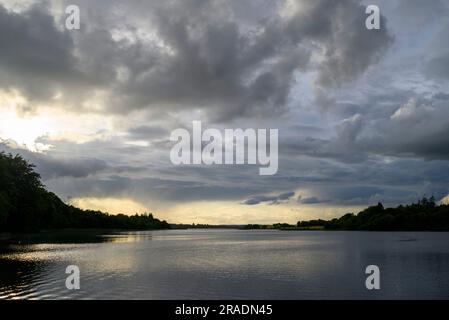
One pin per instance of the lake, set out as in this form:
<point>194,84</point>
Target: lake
<point>229,264</point>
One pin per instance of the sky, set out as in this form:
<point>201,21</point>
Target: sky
<point>363,115</point>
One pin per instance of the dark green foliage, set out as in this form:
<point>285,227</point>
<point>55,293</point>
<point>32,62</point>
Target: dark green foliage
<point>25,205</point>
<point>311,223</point>
<point>281,225</point>
<point>253,227</point>
<point>422,216</point>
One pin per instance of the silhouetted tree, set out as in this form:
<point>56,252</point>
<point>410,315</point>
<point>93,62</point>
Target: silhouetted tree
<point>424,215</point>
<point>25,205</point>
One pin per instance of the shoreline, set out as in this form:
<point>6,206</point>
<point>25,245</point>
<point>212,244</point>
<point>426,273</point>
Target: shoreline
<point>6,235</point>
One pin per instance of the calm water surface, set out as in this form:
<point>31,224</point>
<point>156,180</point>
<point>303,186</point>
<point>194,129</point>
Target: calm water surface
<point>231,264</point>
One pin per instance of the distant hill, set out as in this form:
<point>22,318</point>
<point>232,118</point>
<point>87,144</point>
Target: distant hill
<point>25,205</point>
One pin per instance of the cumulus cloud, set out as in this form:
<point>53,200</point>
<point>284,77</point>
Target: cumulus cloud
<point>198,55</point>
<point>37,58</point>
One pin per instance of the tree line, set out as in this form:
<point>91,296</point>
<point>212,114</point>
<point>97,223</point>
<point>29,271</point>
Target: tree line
<point>25,205</point>
<point>425,215</point>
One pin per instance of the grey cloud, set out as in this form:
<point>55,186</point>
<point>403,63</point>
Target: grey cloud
<point>202,56</point>
<point>396,126</point>
<point>147,189</point>
<point>31,43</point>
<point>77,168</point>
<point>50,167</point>
<point>230,59</point>
<point>218,59</point>
<point>418,128</point>
<point>349,129</point>
<point>310,200</point>
<point>286,195</point>
<point>436,57</point>
<point>36,57</point>
<point>147,132</point>
<point>441,96</point>
<point>413,14</point>
<point>260,199</point>
<point>393,182</point>
<point>349,48</point>
<point>271,199</point>
<point>438,66</point>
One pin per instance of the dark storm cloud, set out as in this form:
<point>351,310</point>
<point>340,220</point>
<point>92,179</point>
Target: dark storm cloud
<point>237,73</point>
<point>35,57</point>
<point>201,55</point>
<point>31,43</point>
<point>349,48</point>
